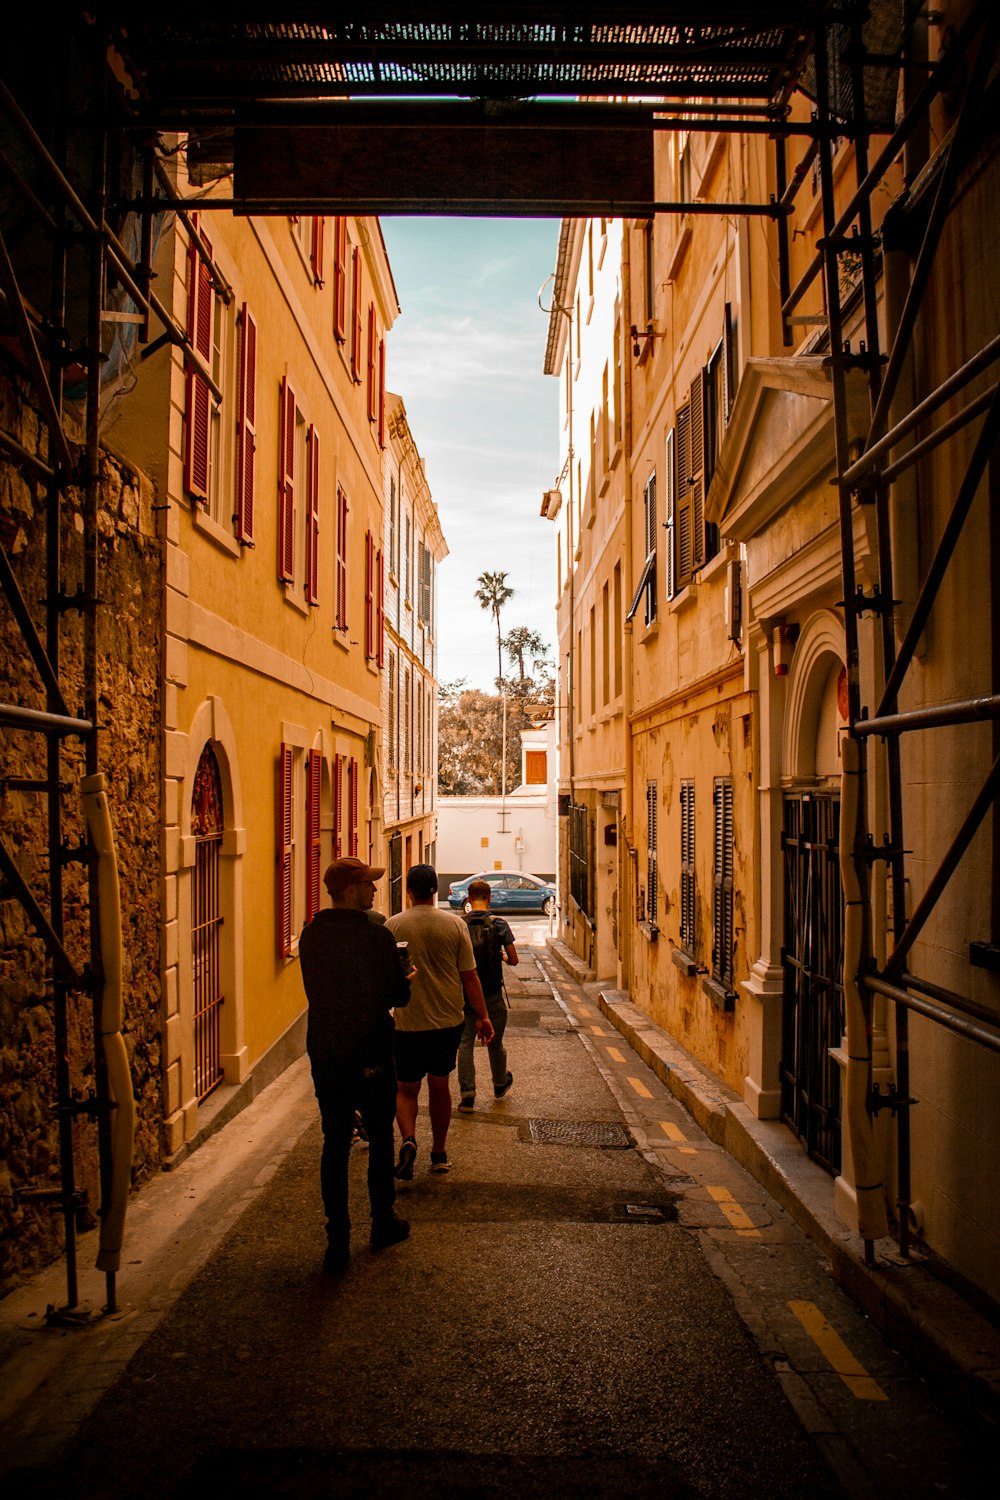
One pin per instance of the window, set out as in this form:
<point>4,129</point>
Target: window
<point>393,526</point>
<point>372,385</point>
<point>687,937</point>
<point>379,610</point>
<point>719,385</point>
<point>340,614</point>
<point>722,902</point>
<point>616,632</point>
<point>605,647</point>
<point>338,806</point>
<point>424,565</point>
<point>381,392</point>
<point>535,768</point>
<point>355,320</point>
<point>593,661</point>
<point>689,485</point>
<point>374,602</point>
<point>288,847</point>
<point>648,285</point>
<point>393,725</point>
<point>646,588</point>
<point>407,735</point>
<point>341,266</point>
<point>308,230</point>
<point>579,856</point>
<point>207,826</point>
<point>287,417</point>
<point>312,517</point>
<point>652,905</point>
<point>407,581</point>
<point>352,807</point>
<point>208,329</point>
<point>246,429</point>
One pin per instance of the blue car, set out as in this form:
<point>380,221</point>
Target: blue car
<point>511,891</point>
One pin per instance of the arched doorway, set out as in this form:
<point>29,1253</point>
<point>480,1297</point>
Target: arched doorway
<point>207,828</point>
<point>812,945</point>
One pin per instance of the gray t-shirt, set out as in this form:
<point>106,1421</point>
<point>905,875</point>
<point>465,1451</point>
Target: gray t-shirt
<point>441,950</point>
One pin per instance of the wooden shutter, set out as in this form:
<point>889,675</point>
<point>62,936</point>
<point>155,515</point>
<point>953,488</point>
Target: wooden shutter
<point>198,395</point>
<point>722,937</point>
<point>379,610</point>
<point>312,516</point>
<point>687,867</point>
<point>340,278</point>
<point>284,850</point>
<point>316,250</point>
<point>338,805</point>
<point>381,393</point>
<point>352,785</point>
<point>669,507</point>
<point>728,364</point>
<point>286,483</point>
<point>246,430</point>
<point>651,843</point>
<point>356,319</point>
<point>697,405</point>
<point>685,537</point>
<point>369,595</point>
<point>341,579</point>
<point>372,355</point>
<point>314,791</point>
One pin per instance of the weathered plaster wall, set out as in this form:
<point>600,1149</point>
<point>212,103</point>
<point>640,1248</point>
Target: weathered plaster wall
<point>129,675</point>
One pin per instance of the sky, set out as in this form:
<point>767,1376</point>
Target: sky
<point>466,356</point>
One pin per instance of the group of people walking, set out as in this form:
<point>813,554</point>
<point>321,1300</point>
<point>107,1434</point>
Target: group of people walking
<point>392,1002</point>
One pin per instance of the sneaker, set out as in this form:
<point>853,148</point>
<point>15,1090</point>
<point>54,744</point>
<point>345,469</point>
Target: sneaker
<point>440,1162</point>
<point>407,1156</point>
<point>336,1259</point>
<point>467,1104</point>
<point>388,1231</point>
<point>504,1087</point>
<point>360,1137</point>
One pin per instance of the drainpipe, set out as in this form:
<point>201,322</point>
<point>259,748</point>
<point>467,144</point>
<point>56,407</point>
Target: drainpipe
<point>625,873</point>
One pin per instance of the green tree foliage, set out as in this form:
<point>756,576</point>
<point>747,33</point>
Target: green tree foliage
<point>470,735</point>
<point>523,644</point>
<point>493,592</point>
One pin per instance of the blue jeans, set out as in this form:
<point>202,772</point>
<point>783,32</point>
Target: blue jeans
<point>496,1009</point>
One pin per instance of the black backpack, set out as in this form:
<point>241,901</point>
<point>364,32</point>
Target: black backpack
<point>488,950</point>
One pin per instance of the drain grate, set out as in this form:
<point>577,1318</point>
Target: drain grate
<point>578,1133</point>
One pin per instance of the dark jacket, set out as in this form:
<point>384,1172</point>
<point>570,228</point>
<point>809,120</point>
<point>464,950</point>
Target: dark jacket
<point>353,979</point>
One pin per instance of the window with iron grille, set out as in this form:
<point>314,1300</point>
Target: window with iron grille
<point>722,897</point>
<point>652,836</point>
<point>688,888</point>
<point>206,922</point>
<point>580,850</point>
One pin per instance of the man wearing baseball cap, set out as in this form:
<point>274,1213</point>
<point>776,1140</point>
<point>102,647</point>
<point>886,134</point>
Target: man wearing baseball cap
<point>429,1031</point>
<point>353,981</point>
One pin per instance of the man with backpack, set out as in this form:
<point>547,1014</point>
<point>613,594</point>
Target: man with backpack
<point>492,945</point>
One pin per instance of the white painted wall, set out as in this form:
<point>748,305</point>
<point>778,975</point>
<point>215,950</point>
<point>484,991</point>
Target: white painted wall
<point>492,833</point>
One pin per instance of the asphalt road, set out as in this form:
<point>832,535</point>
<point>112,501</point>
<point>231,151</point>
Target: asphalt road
<point>594,1302</point>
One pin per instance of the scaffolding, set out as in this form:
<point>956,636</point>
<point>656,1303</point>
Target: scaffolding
<point>135,84</point>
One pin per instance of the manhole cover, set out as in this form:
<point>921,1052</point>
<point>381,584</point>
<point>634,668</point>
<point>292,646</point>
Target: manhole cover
<point>578,1133</point>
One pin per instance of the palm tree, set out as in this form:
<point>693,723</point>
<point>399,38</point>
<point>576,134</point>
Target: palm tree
<point>493,594</point>
<point>522,642</point>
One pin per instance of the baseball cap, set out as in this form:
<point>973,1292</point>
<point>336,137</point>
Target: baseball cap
<point>349,871</point>
<point>422,880</point>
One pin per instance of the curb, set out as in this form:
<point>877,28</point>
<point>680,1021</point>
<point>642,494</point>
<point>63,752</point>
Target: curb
<point>914,1310</point>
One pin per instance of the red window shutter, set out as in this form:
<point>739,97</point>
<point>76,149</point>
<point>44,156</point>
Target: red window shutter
<point>284,843</point>
<point>338,806</point>
<point>340,278</point>
<point>312,517</point>
<point>381,393</point>
<point>316,252</point>
<point>286,484</point>
<point>246,430</point>
<point>372,354</point>
<point>314,787</point>
<point>352,782</point>
<point>356,323</point>
<point>341,617</point>
<point>379,609</point>
<point>198,396</point>
<point>369,595</point>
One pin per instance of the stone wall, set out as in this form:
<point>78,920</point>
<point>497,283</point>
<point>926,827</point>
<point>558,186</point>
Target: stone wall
<point>129,654</point>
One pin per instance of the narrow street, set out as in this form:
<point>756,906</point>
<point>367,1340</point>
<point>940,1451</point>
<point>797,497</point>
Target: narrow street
<point>596,1301</point>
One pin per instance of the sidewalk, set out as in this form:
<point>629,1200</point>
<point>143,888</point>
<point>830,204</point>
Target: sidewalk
<point>916,1312</point>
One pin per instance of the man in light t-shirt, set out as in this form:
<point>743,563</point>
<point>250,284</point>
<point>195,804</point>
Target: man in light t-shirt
<point>429,1030</point>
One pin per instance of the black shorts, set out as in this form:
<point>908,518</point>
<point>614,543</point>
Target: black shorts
<point>422,1052</point>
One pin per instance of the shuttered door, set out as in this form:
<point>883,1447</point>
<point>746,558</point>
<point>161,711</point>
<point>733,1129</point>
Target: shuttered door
<point>206,923</point>
<point>813,962</point>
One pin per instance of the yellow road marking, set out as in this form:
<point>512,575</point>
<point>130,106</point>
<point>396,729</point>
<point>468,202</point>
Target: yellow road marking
<point>598,1031</point>
<point>584,1010</point>
<point>640,1088</point>
<point>673,1131</point>
<point>738,1217</point>
<point>615,1055</point>
<point>836,1353</point>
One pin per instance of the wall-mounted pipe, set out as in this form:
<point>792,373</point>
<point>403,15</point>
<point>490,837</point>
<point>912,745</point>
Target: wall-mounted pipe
<point>109,1021</point>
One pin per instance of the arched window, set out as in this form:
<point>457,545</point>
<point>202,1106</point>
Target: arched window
<point>206,922</point>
